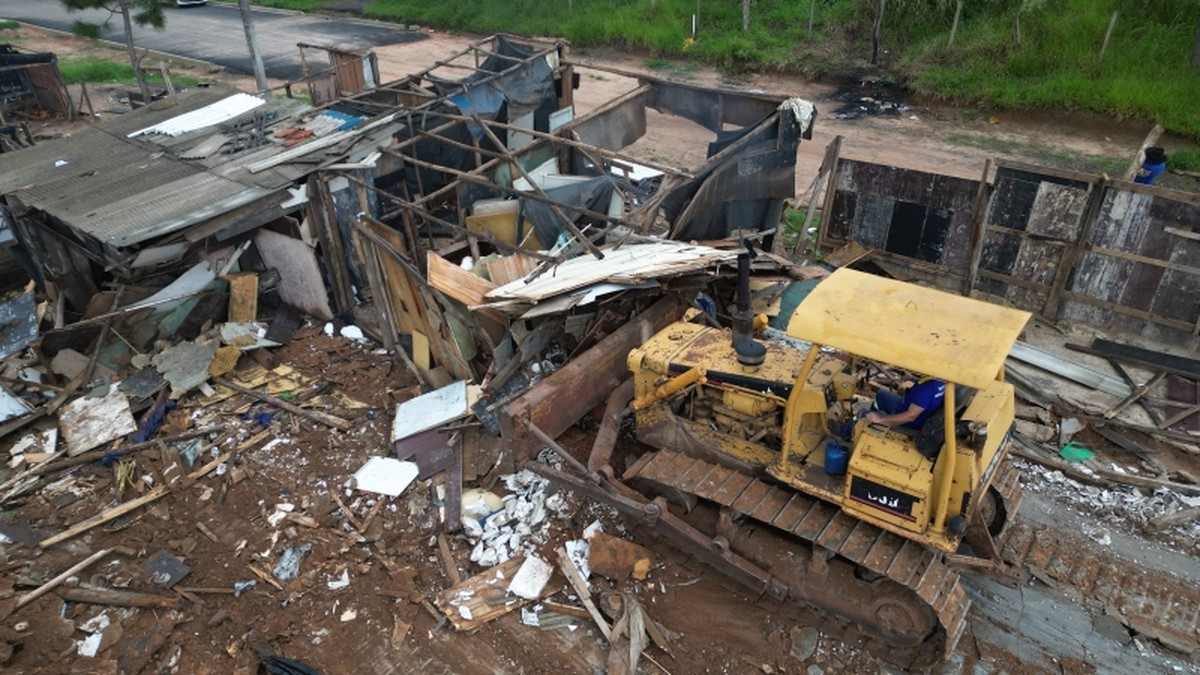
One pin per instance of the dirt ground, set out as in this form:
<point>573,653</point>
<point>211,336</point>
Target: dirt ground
<point>229,528</point>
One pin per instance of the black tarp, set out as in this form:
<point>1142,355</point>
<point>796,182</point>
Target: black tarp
<point>744,190</point>
<point>593,195</point>
<point>508,96</point>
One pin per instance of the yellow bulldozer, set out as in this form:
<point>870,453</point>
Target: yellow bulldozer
<point>757,459</point>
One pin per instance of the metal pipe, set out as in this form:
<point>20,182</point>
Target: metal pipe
<point>560,451</point>
<point>947,458</point>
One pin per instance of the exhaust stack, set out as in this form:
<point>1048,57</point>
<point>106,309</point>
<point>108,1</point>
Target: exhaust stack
<point>749,352</point>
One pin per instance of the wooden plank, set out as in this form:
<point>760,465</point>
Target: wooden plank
<point>831,187</point>
<point>832,152</point>
<point>50,585</point>
<point>558,401</point>
<point>1157,262</point>
<point>1156,191</point>
<point>1186,234</point>
<point>410,292</point>
<point>484,596</point>
<point>315,415</point>
<point>1151,139</point>
<point>1023,283</point>
<point>454,281</point>
<point>243,296</point>
<point>381,300</point>
<point>978,229</point>
<point>1068,174</point>
<point>1138,356</point>
<point>509,268</point>
<point>1129,311</point>
<point>100,519</point>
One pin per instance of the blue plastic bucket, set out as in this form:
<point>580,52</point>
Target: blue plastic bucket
<point>837,458</point>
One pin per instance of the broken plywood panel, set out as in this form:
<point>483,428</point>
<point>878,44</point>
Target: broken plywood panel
<point>628,264</point>
<point>433,409</point>
<point>507,269</point>
<point>503,226</point>
<point>243,296</point>
<point>90,422</point>
<point>69,363</point>
<point>301,284</point>
<point>481,598</point>
<point>413,308</point>
<point>280,379</point>
<point>466,287</point>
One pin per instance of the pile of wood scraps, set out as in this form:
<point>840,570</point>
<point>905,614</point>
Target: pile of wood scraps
<point>1138,427</point>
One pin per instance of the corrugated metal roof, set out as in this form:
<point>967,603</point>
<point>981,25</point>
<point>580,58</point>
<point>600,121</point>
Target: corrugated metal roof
<point>208,116</point>
<point>122,191</point>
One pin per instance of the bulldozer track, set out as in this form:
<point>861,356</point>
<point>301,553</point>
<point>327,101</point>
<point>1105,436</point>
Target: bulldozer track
<point>1158,605</point>
<point>823,525</point>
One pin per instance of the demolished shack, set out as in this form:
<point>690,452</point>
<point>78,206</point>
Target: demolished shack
<point>409,208</point>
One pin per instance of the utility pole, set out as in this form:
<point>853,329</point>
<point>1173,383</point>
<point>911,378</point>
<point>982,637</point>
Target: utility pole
<point>260,72</point>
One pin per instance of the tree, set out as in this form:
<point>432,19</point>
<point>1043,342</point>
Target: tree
<point>141,12</point>
<point>877,31</point>
<point>1196,49</point>
<point>260,73</point>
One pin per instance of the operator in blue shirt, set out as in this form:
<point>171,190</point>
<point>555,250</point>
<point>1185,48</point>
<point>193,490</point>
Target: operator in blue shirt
<point>921,401</point>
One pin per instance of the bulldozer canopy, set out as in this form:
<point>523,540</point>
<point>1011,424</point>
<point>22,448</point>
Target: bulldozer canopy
<point>946,336</point>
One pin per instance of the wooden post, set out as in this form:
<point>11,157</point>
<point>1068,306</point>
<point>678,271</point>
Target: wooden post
<point>1073,253</point>
<point>166,73</point>
<point>379,292</point>
<point>877,31</point>
<point>978,228</point>
<point>812,10</point>
<point>1151,139</point>
<point>49,585</point>
<point>1108,34</point>
<point>315,415</point>
<point>833,155</point>
<point>954,26</point>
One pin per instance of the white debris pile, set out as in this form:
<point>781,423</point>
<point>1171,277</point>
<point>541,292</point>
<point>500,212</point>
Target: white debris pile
<point>518,526</point>
<point>1126,509</point>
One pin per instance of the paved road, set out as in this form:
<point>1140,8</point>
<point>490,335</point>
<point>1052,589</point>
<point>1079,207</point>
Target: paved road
<point>214,33</point>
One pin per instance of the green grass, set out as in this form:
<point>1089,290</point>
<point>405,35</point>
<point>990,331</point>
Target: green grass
<point>1144,74</point>
<point>1184,160</point>
<point>92,69</point>
<point>6,24</point>
<point>95,70</point>
<point>793,231</point>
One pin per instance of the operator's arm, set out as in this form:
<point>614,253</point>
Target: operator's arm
<point>914,411</point>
